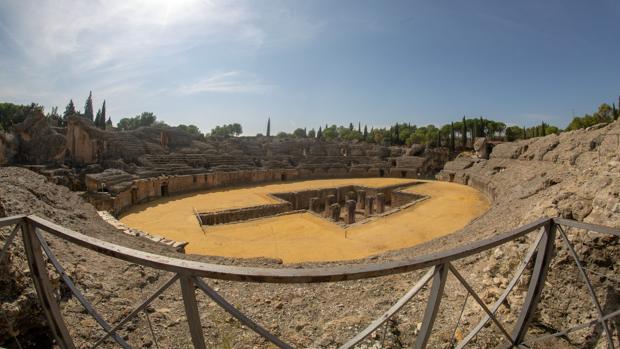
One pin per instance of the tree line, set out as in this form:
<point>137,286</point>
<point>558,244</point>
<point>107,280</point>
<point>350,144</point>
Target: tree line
<point>457,134</point>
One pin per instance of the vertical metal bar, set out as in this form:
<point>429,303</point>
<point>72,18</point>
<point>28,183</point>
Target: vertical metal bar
<point>583,273</point>
<point>42,284</point>
<point>8,242</point>
<point>432,306</point>
<point>191,312</point>
<point>537,282</point>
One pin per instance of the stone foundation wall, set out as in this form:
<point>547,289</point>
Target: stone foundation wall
<point>401,198</point>
<point>243,214</point>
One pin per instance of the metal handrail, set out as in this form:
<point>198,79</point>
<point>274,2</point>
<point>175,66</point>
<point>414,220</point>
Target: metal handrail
<point>282,275</point>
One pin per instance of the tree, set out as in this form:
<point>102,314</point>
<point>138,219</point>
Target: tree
<point>88,107</point>
<point>98,119</point>
<point>319,133</point>
<point>146,119</point>
<point>359,127</point>
<point>268,127</point>
<point>299,133</point>
<point>227,130</point>
<point>330,133</point>
<point>513,133</point>
<point>12,114</point>
<point>312,133</point>
<point>54,119</point>
<point>103,116</point>
<point>69,111</point>
<point>452,136</point>
<point>191,129</point>
<point>365,132</point>
<point>464,133</point>
<point>108,124</point>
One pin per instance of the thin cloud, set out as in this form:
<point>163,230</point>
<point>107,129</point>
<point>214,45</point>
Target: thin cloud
<point>228,82</point>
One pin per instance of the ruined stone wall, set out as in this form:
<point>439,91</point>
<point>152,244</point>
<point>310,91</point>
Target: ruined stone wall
<point>243,214</point>
<point>82,144</point>
<point>400,198</point>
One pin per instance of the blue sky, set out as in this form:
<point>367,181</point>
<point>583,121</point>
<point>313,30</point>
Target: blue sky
<point>309,63</point>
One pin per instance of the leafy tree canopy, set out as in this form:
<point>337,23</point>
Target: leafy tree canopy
<point>12,114</point>
<point>146,119</point>
<point>227,130</point>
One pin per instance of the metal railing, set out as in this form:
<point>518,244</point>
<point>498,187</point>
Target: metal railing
<point>190,275</point>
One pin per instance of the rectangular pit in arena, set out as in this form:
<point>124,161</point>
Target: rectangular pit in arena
<point>344,205</point>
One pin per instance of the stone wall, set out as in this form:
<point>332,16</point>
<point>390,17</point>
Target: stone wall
<point>243,214</point>
<point>400,198</point>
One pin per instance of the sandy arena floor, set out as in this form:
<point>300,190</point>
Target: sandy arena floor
<point>304,237</point>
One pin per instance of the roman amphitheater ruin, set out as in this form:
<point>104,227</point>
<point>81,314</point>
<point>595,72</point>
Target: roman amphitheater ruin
<point>154,238</point>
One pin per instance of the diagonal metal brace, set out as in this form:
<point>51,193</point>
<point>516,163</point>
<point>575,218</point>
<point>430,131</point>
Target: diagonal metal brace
<point>393,310</point>
<point>77,293</point>
<point>244,319</point>
<point>597,305</point>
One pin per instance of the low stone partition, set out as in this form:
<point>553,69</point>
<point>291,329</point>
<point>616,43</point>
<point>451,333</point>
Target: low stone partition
<point>402,198</point>
<point>244,214</point>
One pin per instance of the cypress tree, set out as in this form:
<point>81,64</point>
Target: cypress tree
<point>350,126</point>
<point>524,133</point>
<point>365,132</point>
<point>396,134</point>
<point>359,127</point>
<point>464,133</point>
<point>481,127</point>
<point>88,107</point>
<point>319,133</point>
<point>98,119</point>
<point>103,116</point>
<point>108,124</point>
<point>542,129</point>
<point>69,111</point>
<point>268,127</point>
<point>452,136</point>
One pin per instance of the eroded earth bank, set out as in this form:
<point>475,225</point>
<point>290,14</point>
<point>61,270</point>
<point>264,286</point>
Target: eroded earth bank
<point>574,175</point>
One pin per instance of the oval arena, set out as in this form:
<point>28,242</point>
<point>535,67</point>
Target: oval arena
<point>287,228</point>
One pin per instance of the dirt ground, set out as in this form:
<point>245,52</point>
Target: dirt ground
<point>303,237</point>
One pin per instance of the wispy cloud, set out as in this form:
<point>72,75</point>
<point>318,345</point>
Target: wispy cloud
<point>228,82</point>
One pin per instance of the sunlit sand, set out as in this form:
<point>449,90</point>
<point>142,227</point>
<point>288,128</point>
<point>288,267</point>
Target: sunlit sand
<point>303,237</point>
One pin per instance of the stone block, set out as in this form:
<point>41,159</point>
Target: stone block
<point>380,203</point>
<point>361,199</point>
<point>334,212</point>
<point>368,206</point>
<point>350,207</point>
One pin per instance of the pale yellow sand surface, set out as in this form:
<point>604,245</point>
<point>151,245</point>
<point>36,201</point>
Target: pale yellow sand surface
<point>304,237</point>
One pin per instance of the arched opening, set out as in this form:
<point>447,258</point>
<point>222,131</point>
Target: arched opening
<point>283,177</point>
<point>381,173</point>
<point>164,189</point>
<point>403,174</point>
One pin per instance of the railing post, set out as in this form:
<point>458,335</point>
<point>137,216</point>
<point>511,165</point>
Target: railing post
<point>45,291</point>
<point>191,311</point>
<point>537,282</point>
<point>432,306</point>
